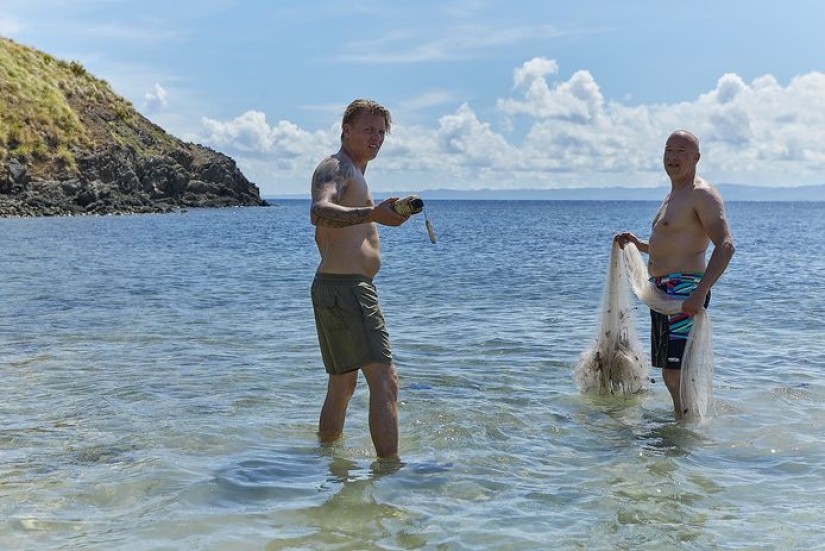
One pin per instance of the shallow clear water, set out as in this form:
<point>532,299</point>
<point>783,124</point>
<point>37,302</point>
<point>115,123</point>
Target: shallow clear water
<point>162,386</point>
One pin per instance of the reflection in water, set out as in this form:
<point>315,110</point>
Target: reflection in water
<point>362,507</point>
<point>316,498</point>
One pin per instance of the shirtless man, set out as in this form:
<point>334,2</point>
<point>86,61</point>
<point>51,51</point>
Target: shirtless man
<point>348,318</point>
<point>691,217</point>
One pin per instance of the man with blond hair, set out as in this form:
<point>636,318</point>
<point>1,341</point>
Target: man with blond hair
<point>351,330</point>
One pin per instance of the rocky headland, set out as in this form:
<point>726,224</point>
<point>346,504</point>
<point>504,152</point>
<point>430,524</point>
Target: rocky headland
<point>70,145</point>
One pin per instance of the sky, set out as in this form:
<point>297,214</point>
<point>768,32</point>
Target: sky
<point>484,94</point>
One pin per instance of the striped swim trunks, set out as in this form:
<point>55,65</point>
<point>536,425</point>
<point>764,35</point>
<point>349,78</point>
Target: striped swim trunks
<point>669,333</point>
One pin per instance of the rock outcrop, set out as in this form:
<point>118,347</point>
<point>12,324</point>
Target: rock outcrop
<point>70,145</point>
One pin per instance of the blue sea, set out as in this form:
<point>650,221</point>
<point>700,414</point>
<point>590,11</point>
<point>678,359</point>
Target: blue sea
<point>162,383</point>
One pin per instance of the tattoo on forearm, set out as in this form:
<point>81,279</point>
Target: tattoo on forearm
<point>331,217</point>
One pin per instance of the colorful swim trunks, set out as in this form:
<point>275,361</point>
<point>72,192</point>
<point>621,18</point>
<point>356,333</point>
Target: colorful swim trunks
<point>669,333</point>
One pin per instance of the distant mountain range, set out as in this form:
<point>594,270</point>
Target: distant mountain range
<point>730,192</point>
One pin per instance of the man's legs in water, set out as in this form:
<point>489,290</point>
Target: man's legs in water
<point>383,381</point>
<point>383,414</point>
<point>340,389</point>
<point>673,379</point>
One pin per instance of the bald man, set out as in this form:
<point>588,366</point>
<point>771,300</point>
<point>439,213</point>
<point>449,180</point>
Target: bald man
<point>691,217</point>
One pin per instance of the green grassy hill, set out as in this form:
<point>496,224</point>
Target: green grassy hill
<point>58,121</point>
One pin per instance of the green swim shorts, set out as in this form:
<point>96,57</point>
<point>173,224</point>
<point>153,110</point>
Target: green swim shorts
<point>351,329</point>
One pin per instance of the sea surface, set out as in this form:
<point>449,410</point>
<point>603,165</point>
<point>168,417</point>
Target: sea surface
<point>162,381</point>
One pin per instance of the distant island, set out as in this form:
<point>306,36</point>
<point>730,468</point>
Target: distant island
<point>730,192</point>
<point>70,145</point>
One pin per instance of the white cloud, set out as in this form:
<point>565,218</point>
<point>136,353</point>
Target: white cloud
<point>751,132</point>
<point>156,100</point>
<point>474,141</point>
<point>251,135</point>
<point>280,157</point>
<point>534,71</point>
<point>764,127</point>
<point>577,99</point>
<point>757,132</point>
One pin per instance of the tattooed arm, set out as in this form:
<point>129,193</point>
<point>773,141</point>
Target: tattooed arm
<point>329,183</point>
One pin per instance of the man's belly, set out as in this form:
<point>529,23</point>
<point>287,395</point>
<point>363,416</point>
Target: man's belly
<point>348,252</point>
<point>659,266</point>
<point>354,261</point>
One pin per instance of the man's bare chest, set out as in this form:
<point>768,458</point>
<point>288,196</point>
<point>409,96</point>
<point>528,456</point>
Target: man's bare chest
<point>675,215</point>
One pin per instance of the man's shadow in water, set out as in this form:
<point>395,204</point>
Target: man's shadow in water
<point>299,478</point>
<point>317,498</point>
<point>369,505</point>
<point>273,480</point>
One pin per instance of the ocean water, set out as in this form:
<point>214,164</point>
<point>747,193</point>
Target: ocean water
<point>162,384</point>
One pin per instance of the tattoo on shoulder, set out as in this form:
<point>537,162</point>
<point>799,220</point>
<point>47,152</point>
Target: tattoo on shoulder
<point>327,174</point>
<point>334,172</point>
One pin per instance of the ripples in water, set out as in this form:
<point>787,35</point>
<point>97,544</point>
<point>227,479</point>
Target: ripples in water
<point>163,383</point>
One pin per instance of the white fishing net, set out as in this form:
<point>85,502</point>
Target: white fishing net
<point>617,364</point>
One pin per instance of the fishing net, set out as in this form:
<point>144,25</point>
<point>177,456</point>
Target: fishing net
<point>617,364</point>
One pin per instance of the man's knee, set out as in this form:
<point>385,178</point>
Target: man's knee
<point>382,379</point>
<point>343,386</point>
<point>672,377</point>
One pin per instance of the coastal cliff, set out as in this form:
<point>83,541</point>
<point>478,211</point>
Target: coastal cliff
<point>70,145</point>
